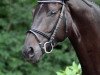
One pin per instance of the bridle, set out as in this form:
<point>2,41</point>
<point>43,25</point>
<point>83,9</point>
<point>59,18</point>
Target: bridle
<point>51,39</point>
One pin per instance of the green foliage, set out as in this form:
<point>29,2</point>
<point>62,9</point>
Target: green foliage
<point>97,1</point>
<point>71,70</point>
<point>15,13</point>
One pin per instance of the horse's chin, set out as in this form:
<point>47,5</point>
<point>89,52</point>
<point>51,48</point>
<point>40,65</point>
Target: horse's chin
<point>32,60</point>
<point>35,59</point>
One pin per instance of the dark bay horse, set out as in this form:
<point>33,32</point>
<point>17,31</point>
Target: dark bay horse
<point>54,20</point>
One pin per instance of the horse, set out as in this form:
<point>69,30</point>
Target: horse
<point>55,20</point>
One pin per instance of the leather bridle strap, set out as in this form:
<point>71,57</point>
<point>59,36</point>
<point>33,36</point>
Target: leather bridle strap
<point>51,2</point>
<point>39,32</point>
<point>59,20</point>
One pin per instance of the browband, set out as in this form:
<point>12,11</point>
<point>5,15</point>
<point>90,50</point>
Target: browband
<point>61,2</point>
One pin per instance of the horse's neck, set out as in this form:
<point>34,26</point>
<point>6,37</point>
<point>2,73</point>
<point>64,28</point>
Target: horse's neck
<point>93,5</point>
<point>87,30</point>
<point>90,17</point>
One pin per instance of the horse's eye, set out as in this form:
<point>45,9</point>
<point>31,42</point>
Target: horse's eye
<point>52,12</point>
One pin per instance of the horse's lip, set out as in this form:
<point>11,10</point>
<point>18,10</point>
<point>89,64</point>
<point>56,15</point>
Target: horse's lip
<point>33,62</point>
<point>31,55</point>
<point>28,57</point>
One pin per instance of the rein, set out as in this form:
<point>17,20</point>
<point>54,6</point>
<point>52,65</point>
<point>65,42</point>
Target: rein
<point>51,39</point>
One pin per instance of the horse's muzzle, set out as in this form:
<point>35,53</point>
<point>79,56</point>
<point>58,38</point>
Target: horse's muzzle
<point>28,53</point>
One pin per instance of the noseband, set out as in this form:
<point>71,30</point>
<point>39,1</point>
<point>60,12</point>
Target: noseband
<point>51,39</point>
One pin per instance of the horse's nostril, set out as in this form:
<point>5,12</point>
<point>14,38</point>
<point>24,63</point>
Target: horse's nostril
<point>30,50</point>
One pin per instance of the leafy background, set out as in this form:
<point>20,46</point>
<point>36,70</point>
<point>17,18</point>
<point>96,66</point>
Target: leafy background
<point>15,20</point>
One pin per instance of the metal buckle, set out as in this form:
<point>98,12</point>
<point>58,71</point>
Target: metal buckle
<point>45,45</point>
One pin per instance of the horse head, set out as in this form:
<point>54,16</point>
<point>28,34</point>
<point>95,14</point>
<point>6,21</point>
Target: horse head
<point>50,25</point>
